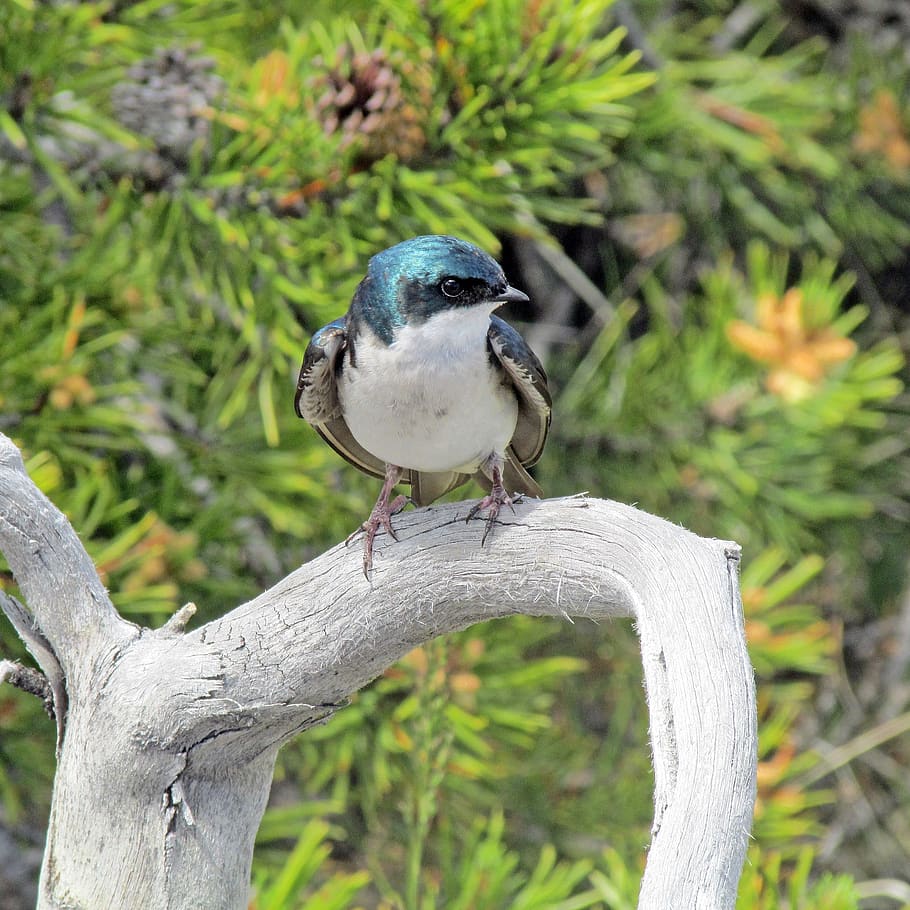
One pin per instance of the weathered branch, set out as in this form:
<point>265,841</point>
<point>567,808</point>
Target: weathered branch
<point>39,649</point>
<point>196,719</point>
<point>67,603</point>
<point>28,680</point>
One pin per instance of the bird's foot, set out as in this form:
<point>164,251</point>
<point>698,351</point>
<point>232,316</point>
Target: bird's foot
<point>492,503</point>
<point>381,516</point>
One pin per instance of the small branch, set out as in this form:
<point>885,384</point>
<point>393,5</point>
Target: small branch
<point>865,742</point>
<point>176,625</point>
<point>41,650</point>
<point>892,888</point>
<point>28,680</point>
<point>637,35</point>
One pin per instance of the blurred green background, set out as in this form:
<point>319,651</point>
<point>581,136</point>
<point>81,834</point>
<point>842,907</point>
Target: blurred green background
<point>708,202</point>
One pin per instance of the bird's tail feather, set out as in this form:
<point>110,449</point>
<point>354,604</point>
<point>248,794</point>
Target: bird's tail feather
<point>426,487</point>
<point>514,477</point>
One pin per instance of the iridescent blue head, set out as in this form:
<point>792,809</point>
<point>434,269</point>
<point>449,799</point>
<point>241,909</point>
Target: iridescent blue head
<point>409,282</point>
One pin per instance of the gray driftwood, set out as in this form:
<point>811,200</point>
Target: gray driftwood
<point>167,738</point>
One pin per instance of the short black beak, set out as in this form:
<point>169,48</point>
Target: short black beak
<point>512,295</point>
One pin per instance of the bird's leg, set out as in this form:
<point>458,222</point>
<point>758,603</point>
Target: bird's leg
<point>381,515</point>
<point>496,498</point>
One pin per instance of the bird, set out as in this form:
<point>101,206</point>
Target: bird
<point>419,383</point>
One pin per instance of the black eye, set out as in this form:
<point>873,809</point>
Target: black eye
<point>451,287</point>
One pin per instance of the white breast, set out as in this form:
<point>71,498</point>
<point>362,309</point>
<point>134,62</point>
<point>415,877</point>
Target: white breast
<point>431,400</point>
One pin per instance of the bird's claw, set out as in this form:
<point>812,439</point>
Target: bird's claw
<point>381,516</point>
<point>493,503</point>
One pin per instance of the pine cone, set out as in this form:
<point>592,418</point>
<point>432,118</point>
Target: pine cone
<point>364,97</point>
<point>166,98</point>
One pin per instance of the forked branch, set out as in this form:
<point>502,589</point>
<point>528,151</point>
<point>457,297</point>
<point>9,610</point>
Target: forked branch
<point>197,717</point>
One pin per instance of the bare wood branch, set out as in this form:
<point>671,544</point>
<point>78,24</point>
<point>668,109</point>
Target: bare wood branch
<point>41,650</point>
<point>28,680</point>
<point>197,718</point>
<point>177,624</point>
<point>68,606</point>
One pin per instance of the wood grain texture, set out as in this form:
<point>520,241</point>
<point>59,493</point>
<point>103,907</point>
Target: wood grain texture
<point>170,737</point>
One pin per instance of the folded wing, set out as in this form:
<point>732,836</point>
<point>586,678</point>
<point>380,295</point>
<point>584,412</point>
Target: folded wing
<point>529,380</point>
<point>317,402</point>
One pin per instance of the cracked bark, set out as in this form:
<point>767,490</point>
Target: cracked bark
<point>168,738</point>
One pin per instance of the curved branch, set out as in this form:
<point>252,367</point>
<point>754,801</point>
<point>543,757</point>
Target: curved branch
<point>68,609</point>
<point>331,631</point>
<point>202,714</point>
<point>324,631</point>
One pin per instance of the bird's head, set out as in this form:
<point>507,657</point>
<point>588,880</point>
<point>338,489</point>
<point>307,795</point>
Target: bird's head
<point>409,282</point>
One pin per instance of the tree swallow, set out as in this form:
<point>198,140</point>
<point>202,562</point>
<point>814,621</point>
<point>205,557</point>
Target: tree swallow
<point>419,383</point>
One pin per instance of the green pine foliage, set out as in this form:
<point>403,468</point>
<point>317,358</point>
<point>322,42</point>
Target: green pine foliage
<point>768,457</point>
<point>188,189</point>
<point>763,889</point>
